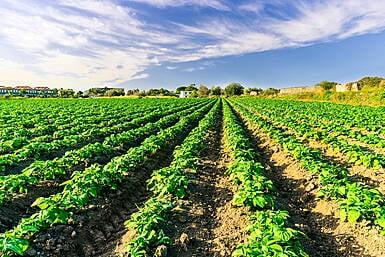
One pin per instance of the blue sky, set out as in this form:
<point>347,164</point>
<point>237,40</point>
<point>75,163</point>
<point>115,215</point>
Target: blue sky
<point>167,43</point>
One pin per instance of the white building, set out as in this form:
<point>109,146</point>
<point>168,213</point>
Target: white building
<point>347,87</point>
<point>184,94</point>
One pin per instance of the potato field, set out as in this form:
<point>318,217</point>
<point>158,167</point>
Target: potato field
<point>191,177</point>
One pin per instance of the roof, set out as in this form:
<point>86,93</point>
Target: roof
<point>22,87</point>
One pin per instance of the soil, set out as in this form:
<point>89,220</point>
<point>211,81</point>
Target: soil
<point>13,211</point>
<point>96,230</point>
<point>206,223</point>
<point>317,218</point>
<point>20,206</point>
<point>372,177</point>
<point>19,166</point>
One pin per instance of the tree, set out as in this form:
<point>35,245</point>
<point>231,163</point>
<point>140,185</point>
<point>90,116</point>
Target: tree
<point>203,91</point>
<point>132,92</point>
<point>270,91</point>
<point>234,89</point>
<point>194,94</point>
<point>79,94</point>
<point>142,93</point>
<point>66,93</point>
<point>191,87</point>
<point>370,82</point>
<point>216,91</point>
<point>114,92</point>
<point>182,88</point>
<point>327,85</point>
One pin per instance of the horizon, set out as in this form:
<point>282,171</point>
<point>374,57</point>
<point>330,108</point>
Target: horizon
<point>169,43</point>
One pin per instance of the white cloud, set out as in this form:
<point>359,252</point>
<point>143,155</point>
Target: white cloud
<point>79,44</point>
<point>334,19</point>
<point>140,76</point>
<point>189,69</point>
<point>216,4</point>
<point>253,7</point>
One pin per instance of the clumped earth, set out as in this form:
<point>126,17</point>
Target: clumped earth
<point>317,218</point>
<point>207,217</point>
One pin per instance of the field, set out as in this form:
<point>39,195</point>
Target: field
<point>191,177</point>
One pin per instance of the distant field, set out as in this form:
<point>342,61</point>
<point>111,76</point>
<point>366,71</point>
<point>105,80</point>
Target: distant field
<point>191,177</point>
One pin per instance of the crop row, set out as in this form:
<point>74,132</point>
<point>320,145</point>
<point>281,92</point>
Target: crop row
<point>269,234</point>
<point>89,184</point>
<point>354,153</point>
<point>51,169</point>
<point>361,117</point>
<point>51,132</point>
<point>23,124</point>
<point>37,149</point>
<point>294,112</point>
<point>356,201</point>
<point>66,117</point>
<point>28,114</point>
<point>166,185</point>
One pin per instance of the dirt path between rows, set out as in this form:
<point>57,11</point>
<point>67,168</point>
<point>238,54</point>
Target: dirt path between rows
<point>207,218</point>
<point>317,218</point>
<point>359,173</point>
<point>96,230</point>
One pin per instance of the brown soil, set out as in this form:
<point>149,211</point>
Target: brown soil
<point>20,206</point>
<point>19,166</point>
<point>206,223</point>
<point>95,230</point>
<point>317,218</point>
<point>12,212</point>
<point>369,176</point>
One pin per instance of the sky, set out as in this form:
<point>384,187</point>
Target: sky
<point>168,43</point>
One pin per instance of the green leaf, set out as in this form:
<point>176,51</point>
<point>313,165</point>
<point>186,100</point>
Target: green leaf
<point>343,214</point>
<point>276,247</point>
<point>381,222</point>
<point>353,215</point>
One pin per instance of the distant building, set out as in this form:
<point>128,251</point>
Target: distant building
<point>341,88</point>
<point>347,87</point>
<point>297,90</point>
<point>184,94</point>
<point>355,87</point>
<point>26,91</point>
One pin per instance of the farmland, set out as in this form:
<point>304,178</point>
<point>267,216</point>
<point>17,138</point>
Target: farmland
<point>191,177</point>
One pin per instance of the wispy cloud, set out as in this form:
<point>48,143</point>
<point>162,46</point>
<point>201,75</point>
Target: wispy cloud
<point>252,6</point>
<point>140,76</point>
<point>216,4</point>
<point>190,69</point>
<point>70,43</point>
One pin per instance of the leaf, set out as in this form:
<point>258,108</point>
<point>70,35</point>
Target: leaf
<point>343,214</point>
<point>381,222</point>
<point>17,245</point>
<point>276,248</point>
<point>353,215</point>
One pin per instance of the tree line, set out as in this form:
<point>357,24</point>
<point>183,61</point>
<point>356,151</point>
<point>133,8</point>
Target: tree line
<point>232,89</point>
